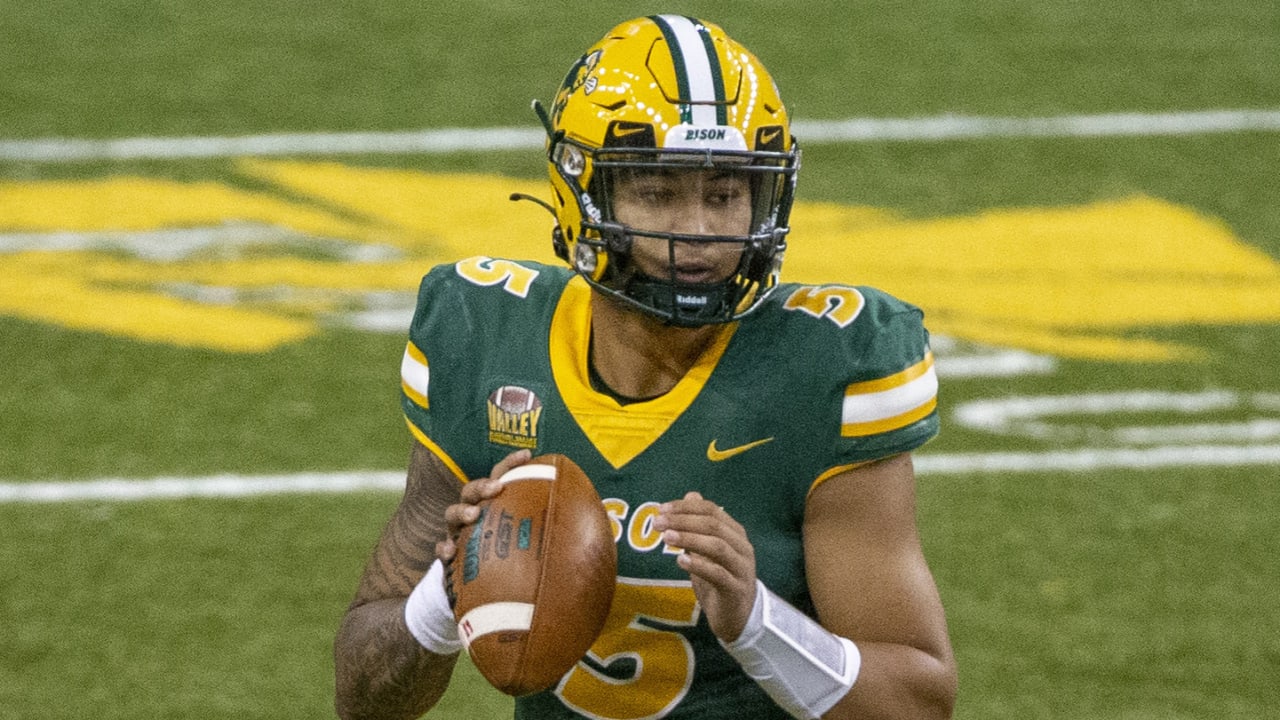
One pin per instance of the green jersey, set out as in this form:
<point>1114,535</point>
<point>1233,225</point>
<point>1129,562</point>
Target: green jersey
<point>816,380</point>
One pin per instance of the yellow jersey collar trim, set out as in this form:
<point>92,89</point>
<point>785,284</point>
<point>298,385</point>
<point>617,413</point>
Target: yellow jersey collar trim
<point>619,432</point>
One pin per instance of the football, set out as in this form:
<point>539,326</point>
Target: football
<point>534,576</point>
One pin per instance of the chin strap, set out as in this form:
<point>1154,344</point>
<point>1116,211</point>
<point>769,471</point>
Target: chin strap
<point>685,305</point>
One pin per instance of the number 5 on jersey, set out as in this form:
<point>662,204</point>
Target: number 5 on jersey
<point>662,659</point>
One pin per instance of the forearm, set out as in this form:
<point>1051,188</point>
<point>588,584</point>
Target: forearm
<point>812,672</point>
<point>898,681</point>
<point>381,671</point>
<point>869,582</point>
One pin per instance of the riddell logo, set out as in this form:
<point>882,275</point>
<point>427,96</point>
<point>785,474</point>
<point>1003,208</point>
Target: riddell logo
<point>514,413</point>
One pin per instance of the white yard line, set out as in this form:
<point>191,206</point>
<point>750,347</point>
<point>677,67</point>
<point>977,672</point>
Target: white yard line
<point>927,465</point>
<point>450,140</point>
<point>213,486</point>
<point>1083,460</point>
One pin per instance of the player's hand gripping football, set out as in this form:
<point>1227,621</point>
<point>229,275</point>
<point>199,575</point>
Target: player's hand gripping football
<point>718,557</point>
<point>467,509</point>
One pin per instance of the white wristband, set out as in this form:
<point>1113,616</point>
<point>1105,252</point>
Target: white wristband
<point>428,615</point>
<point>804,667</point>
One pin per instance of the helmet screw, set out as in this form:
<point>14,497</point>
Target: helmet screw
<point>572,161</point>
<point>584,258</point>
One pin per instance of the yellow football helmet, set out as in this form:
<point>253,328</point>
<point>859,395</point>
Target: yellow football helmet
<point>661,92</point>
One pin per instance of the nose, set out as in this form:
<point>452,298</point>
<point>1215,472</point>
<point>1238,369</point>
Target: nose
<point>692,217</point>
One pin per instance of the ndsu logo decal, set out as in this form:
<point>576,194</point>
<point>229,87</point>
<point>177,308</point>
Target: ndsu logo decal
<point>514,413</point>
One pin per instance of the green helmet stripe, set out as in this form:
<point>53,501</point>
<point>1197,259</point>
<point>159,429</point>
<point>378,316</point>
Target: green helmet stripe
<point>699,78</point>
<point>717,77</point>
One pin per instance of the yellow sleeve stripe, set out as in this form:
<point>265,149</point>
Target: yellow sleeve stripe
<point>875,427</point>
<point>920,369</point>
<point>437,451</point>
<point>415,375</point>
<point>837,470</point>
<point>877,406</point>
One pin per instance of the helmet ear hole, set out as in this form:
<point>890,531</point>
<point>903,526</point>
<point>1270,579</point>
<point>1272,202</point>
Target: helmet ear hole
<point>558,243</point>
<point>763,258</point>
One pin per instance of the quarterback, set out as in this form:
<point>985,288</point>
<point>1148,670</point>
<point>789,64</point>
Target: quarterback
<point>750,437</point>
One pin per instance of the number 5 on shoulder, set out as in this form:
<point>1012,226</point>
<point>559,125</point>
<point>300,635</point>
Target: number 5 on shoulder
<point>514,277</point>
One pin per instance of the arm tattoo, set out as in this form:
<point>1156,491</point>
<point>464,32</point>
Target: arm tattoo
<point>381,671</point>
<point>408,543</point>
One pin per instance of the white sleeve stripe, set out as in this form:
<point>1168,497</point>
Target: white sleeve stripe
<point>415,375</point>
<point>885,404</point>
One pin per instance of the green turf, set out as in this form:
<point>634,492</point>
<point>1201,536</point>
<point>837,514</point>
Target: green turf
<point>124,67</point>
<point>1118,594</point>
<point>1112,594</point>
<point>152,409</point>
<point>190,609</point>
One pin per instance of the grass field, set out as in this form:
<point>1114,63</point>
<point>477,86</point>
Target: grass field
<point>1100,508</point>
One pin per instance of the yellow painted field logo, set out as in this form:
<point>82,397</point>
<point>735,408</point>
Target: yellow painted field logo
<point>212,265</point>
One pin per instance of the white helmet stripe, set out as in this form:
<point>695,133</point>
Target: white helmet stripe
<point>700,69</point>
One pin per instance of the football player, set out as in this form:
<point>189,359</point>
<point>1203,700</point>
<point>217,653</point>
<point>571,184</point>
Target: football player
<point>750,438</point>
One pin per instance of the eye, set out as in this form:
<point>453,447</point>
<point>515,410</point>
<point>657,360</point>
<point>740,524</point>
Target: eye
<point>652,193</point>
<point>723,197</point>
<point>725,194</point>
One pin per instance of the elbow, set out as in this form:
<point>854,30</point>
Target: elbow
<point>919,686</point>
<point>345,695</point>
<point>341,708</point>
<point>941,701</point>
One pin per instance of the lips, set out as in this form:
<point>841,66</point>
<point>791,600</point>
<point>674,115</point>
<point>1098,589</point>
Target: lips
<point>695,274</point>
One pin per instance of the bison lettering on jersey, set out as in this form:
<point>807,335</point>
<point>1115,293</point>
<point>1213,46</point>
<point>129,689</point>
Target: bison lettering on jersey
<point>637,525</point>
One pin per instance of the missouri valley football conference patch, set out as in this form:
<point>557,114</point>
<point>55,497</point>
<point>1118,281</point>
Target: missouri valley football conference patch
<point>513,417</point>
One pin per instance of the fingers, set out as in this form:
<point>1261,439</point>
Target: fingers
<point>467,509</point>
<point>718,557</point>
<point>715,545</point>
<point>510,462</point>
<point>446,549</point>
<point>482,489</point>
<point>695,523</point>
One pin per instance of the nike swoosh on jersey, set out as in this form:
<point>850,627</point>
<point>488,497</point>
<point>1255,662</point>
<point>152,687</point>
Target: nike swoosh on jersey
<point>716,455</point>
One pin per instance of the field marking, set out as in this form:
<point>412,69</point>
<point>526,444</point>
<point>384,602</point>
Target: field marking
<point>1058,416</point>
<point>927,465</point>
<point>1169,456</point>
<point>212,486</point>
<point>451,140</point>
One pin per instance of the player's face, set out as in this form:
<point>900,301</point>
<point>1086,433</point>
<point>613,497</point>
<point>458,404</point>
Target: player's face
<point>693,202</point>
